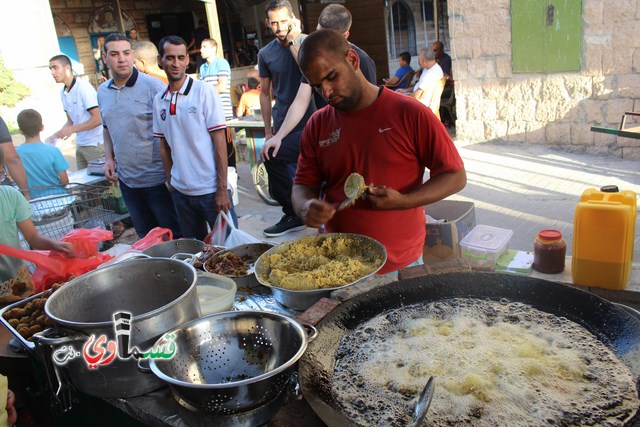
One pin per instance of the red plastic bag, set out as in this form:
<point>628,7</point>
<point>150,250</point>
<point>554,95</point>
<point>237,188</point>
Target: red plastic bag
<point>85,240</point>
<point>72,267</point>
<point>153,237</point>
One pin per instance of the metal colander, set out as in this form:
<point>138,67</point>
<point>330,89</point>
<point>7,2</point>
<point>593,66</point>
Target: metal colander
<point>231,362</point>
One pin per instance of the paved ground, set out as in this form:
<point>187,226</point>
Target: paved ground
<point>522,188</point>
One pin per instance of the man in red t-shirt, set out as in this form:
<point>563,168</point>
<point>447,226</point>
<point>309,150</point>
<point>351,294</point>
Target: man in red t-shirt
<point>387,138</point>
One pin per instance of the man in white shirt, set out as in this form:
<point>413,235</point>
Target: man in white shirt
<point>189,120</point>
<point>429,88</point>
<point>80,102</point>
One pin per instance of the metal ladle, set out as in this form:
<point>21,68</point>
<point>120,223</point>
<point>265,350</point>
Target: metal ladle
<point>422,406</point>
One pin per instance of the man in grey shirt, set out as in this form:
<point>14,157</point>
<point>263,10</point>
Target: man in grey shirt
<point>126,107</point>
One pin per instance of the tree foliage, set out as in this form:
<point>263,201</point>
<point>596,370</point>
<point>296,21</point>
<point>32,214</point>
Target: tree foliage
<point>11,90</point>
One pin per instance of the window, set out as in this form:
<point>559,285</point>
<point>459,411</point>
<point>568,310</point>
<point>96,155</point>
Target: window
<point>546,35</point>
<point>402,30</point>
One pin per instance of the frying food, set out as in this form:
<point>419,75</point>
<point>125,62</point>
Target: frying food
<point>229,264</point>
<point>332,262</point>
<point>30,318</point>
<point>494,363</point>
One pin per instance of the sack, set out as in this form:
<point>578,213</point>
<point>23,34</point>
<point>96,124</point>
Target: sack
<point>224,233</point>
<point>112,200</point>
<point>153,237</point>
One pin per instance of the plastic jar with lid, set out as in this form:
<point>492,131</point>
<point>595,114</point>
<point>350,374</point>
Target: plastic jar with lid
<point>549,251</point>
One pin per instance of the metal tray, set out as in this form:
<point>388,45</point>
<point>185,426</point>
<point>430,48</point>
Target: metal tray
<point>28,345</point>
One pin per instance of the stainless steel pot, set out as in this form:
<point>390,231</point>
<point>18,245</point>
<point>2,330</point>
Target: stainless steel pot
<point>160,294</point>
<point>231,362</point>
<point>173,247</point>
<point>301,300</point>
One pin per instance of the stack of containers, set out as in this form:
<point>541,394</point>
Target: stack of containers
<point>603,233</point>
<point>484,245</point>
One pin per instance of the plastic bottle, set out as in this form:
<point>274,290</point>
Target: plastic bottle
<point>549,251</point>
<point>603,238</point>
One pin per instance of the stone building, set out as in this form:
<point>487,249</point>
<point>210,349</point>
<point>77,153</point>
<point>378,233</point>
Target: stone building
<point>494,102</point>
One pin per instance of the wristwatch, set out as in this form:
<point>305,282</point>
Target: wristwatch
<point>292,42</point>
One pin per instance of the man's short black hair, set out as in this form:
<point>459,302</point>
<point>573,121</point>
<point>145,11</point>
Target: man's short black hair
<point>335,17</point>
<point>174,40</point>
<point>406,57</point>
<point>329,41</point>
<point>253,83</point>
<point>278,4</point>
<point>114,37</point>
<point>30,122</point>
<point>63,59</point>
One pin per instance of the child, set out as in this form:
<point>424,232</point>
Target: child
<point>249,99</point>
<point>45,165</point>
<point>15,214</point>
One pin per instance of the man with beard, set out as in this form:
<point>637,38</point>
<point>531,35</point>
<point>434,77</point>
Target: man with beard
<point>280,75</point>
<point>189,119</point>
<point>126,106</point>
<point>387,138</point>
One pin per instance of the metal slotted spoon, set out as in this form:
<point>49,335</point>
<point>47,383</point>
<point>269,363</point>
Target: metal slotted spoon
<point>423,403</point>
<point>354,188</point>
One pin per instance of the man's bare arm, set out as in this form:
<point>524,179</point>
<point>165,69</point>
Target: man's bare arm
<point>16,168</point>
<point>265,105</point>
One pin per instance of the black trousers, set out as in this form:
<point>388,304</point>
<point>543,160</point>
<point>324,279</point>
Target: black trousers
<point>282,169</point>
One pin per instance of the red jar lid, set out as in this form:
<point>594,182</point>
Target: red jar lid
<point>549,235</point>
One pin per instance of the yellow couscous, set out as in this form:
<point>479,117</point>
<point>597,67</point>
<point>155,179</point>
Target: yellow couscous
<point>324,263</point>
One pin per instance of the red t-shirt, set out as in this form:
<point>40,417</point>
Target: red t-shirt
<point>389,143</point>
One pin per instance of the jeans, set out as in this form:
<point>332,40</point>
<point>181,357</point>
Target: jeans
<point>282,170</point>
<point>195,212</point>
<point>151,207</point>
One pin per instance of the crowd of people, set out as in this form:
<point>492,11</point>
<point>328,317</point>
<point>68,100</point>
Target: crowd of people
<point>164,138</point>
<point>165,143</point>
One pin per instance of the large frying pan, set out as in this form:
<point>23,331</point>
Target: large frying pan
<point>614,326</point>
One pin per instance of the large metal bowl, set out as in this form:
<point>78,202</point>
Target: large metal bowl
<point>301,300</point>
<point>249,252</point>
<point>231,362</point>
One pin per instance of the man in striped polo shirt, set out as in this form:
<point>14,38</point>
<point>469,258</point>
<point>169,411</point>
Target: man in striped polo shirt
<point>188,119</point>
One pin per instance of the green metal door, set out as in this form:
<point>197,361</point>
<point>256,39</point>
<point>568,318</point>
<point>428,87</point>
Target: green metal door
<point>546,35</point>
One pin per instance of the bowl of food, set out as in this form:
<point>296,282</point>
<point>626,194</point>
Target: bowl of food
<point>301,271</point>
<point>238,263</point>
<point>216,293</point>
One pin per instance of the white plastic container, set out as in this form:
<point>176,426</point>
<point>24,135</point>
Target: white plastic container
<point>484,245</point>
<point>216,293</point>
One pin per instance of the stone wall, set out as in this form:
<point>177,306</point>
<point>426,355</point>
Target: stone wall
<point>494,104</point>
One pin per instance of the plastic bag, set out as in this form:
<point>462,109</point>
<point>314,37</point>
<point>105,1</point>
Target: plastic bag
<point>85,240</point>
<point>224,233</point>
<point>153,237</point>
<point>112,200</point>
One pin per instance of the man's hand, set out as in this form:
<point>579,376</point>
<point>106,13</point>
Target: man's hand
<point>385,198</point>
<point>65,248</point>
<point>110,170</point>
<point>65,132</point>
<point>12,414</point>
<point>273,142</point>
<point>294,30</point>
<point>222,201</point>
<point>316,212</point>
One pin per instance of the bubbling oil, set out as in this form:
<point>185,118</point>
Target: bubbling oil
<point>494,363</point>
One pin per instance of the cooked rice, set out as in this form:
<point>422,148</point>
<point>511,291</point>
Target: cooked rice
<point>329,263</point>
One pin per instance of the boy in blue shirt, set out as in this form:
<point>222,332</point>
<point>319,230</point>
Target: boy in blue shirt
<point>15,214</point>
<point>45,165</point>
